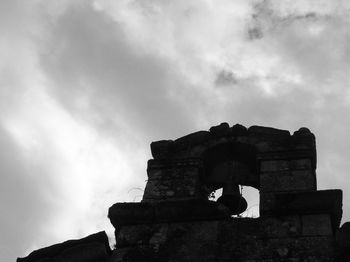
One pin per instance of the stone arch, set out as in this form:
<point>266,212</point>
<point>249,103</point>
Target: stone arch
<point>271,160</point>
<point>230,159</point>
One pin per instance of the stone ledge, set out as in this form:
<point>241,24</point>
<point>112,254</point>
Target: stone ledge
<point>171,163</point>
<point>95,246</point>
<point>306,203</point>
<point>167,211</point>
<point>265,139</point>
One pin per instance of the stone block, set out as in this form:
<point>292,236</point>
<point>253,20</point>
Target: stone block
<point>190,140</point>
<point>92,248</point>
<point>298,180</point>
<point>267,202</point>
<point>161,149</point>
<point>173,179</point>
<point>274,165</point>
<point>318,248</point>
<point>83,253</point>
<point>194,210</point>
<point>118,254</point>
<point>307,203</point>
<point>300,164</point>
<point>130,214</point>
<point>134,235</point>
<point>280,227</point>
<point>133,254</point>
<point>261,130</point>
<point>191,241</point>
<point>317,225</point>
<point>220,130</point>
<point>239,130</point>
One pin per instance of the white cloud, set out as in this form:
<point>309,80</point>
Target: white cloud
<point>86,86</point>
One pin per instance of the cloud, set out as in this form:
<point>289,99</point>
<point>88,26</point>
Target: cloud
<point>21,186</point>
<point>85,86</point>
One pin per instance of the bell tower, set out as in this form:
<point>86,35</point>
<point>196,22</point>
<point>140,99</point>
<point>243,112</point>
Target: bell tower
<point>175,221</point>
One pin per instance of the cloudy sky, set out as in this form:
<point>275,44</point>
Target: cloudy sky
<point>85,86</point>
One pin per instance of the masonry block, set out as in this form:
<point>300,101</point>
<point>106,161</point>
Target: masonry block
<point>318,248</point>
<point>317,225</point>
<point>132,235</point>
<point>296,180</point>
<point>173,180</point>
<point>300,164</point>
<point>280,227</point>
<point>307,203</point>
<point>89,249</point>
<point>274,165</point>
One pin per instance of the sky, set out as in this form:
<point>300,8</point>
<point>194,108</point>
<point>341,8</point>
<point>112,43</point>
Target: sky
<point>86,86</point>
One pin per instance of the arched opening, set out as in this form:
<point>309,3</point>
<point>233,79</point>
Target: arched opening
<point>251,195</point>
<point>230,168</point>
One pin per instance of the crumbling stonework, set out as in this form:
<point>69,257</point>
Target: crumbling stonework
<point>175,221</point>
<point>94,248</point>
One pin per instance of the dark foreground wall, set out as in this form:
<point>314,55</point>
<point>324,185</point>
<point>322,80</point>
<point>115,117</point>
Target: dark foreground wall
<point>93,248</point>
<point>175,221</point>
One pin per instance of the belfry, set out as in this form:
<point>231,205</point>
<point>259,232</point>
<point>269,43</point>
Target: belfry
<point>177,220</point>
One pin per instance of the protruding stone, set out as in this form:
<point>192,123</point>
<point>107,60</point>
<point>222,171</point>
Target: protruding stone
<point>239,130</point>
<point>160,149</point>
<point>302,131</point>
<point>316,202</point>
<point>221,130</point>
<point>163,212</point>
<point>191,139</point>
<point>269,131</point>
<point>91,248</point>
<point>317,225</point>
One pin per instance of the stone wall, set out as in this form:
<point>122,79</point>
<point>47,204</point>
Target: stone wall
<point>176,222</point>
<point>296,223</point>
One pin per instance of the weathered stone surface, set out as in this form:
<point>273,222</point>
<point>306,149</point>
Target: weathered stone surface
<point>263,138</point>
<point>316,202</point>
<point>191,140</point>
<point>134,254</point>
<point>175,222</point>
<point>167,211</point>
<point>161,149</point>
<point>269,238</point>
<point>274,165</point>
<point>343,243</point>
<point>189,211</point>
<point>261,130</point>
<point>189,241</point>
<point>239,130</point>
<point>83,253</point>
<point>221,130</point>
<point>298,180</point>
<point>178,179</point>
<point>302,131</point>
<point>317,225</point>
<point>300,164</point>
<point>131,214</point>
<point>319,248</point>
<point>279,227</point>
<point>132,235</point>
<point>302,139</point>
<point>89,249</point>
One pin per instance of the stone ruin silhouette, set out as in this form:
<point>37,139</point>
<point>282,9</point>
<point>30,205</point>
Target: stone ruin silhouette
<point>177,222</point>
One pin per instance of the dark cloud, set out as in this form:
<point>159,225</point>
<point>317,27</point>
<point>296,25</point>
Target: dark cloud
<point>225,78</point>
<point>145,71</point>
<point>88,57</point>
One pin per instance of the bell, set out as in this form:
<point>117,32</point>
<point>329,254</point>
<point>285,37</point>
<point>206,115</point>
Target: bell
<point>232,199</point>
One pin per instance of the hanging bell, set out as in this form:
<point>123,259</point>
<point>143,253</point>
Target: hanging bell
<point>232,199</point>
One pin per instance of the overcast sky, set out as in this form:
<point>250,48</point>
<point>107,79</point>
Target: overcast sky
<point>85,86</point>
